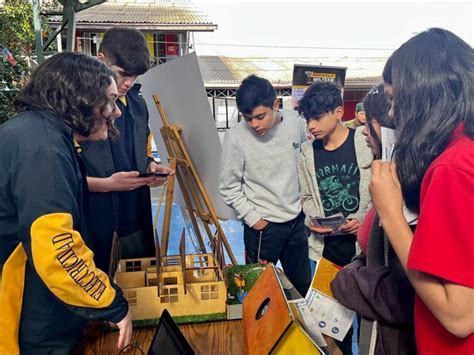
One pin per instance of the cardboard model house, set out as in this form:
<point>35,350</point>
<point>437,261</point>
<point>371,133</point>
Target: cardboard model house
<point>183,284</point>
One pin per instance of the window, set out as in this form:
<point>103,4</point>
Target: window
<point>224,110</point>
<point>131,297</point>
<point>133,265</point>
<point>171,261</point>
<point>210,292</point>
<point>170,280</point>
<point>221,113</point>
<point>152,281</point>
<point>169,295</point>
<point>88,42</point>
<point>159,47</point>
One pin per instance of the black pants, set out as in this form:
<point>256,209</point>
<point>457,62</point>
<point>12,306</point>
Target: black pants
<point>286,242</point>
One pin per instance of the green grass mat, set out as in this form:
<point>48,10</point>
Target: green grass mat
<point>199,318</point>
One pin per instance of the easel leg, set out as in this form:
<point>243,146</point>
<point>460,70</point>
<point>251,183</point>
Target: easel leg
<point>168,210</point>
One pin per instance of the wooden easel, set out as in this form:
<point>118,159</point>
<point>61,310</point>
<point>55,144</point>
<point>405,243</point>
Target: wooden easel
<point>195,197</point>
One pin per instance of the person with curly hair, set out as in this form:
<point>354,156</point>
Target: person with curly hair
<point>50,284</point>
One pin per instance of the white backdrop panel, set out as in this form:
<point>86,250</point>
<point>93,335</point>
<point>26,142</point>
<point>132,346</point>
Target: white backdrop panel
<point>180,88</point>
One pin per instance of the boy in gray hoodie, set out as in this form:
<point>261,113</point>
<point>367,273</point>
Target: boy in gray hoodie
<point>259,179</point>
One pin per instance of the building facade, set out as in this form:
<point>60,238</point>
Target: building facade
<point>167,25</point>
<point>223,75</point>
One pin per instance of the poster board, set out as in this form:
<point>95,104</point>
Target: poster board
<point>304,75</point>
<point>329,316</point>
<point>180,88</point>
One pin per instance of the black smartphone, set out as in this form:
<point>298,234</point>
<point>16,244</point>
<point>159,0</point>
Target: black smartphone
<point>334,222</point>
<point>154,174</point>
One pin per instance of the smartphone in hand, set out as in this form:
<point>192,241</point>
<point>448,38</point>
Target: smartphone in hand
<point>157,174</point>
<point>333,222</point>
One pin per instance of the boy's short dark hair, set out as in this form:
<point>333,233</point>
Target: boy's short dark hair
<point>319,99</point>
<point>254,92</point>
<point>126,48</point>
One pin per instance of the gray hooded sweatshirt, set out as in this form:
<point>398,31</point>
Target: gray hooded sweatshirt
<point>259,174</point>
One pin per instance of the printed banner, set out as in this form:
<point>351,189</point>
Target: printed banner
<point>304,75</point>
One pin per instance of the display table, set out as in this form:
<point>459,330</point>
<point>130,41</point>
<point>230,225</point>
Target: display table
<point>224,337</point>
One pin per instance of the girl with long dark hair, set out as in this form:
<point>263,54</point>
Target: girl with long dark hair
<point>430,81</point>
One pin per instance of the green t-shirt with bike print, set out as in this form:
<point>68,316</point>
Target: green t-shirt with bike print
<point>338,179</point>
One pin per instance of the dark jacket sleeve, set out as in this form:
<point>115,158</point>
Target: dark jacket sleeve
<point>47,193</point>
<point>375,292</point>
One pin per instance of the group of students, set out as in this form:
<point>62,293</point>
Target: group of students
<point>412,284</point>
<point>69,167</point>
<point>69,180</point>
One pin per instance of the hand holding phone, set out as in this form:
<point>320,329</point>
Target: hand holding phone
<point>156,174</point>
<point>333,222</point>
<point>350,227</point>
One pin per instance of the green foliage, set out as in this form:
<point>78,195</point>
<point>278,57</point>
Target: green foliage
<point>6,102</point>
<point>17,34</point>
<point>16,26</point>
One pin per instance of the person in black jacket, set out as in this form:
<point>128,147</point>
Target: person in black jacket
<point>50,284</point>
<point>120,200</point>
